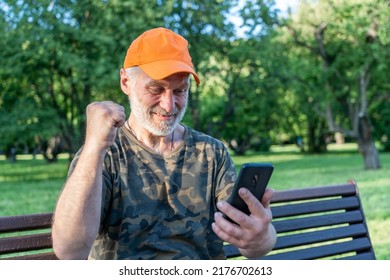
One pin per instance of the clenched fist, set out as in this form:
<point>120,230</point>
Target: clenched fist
<point>103,120</point>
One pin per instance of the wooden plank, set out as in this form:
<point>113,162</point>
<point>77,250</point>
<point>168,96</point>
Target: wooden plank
<point>25,243</point>
<point>347,203</point>
<point>359,244</point>
<point>231,251</point>
<point>314,192</point>
<point>305,238</point>
<point>25,222</point>
<point>318,221</point>
<point>35,256</point>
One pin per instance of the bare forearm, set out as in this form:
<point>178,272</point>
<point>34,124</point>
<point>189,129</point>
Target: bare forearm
<point>77,215</point>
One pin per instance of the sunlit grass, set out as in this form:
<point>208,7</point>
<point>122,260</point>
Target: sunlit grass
<point>30,185</point>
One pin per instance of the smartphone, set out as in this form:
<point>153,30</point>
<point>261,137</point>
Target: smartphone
<point>254,177</point>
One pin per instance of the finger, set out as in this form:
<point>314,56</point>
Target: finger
<point>266,200</point>
<point>116,112</point>
<point>254,205</point>
<point>119,117</point>
<point>225,230</point>
<point>103,119</point>
<point>233,213</point>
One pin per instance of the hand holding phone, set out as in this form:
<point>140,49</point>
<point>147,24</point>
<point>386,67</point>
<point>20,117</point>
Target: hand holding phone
<point>254,177</point>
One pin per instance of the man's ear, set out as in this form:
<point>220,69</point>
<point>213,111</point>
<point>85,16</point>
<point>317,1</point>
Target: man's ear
<point>124,81</point>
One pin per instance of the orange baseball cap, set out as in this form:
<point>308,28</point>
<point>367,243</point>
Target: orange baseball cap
<point>160,52</point>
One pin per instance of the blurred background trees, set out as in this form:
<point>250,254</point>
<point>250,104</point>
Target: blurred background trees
<point>312,76</point>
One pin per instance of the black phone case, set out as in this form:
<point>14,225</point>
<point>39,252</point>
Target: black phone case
<point>253,176</point>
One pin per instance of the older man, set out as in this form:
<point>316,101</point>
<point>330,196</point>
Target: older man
<point>150,187</point>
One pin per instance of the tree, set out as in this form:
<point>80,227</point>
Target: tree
<point>63,54</point>
<point>346,42</point>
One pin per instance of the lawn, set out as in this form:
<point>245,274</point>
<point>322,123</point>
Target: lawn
<point>32,185</point>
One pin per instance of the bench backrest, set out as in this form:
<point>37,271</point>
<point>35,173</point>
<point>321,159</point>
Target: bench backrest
<point>325,222</point>
<point>27,235</point>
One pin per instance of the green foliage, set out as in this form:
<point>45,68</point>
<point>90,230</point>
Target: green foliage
<point>22,120</point>
<point>272,82</point>
<point>64,55</point>
<point>240,95</point>
<point>337,54</point>
<point>381,121</point>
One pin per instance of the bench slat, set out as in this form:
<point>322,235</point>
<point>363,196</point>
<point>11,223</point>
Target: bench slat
<point>359,244</point>
<point>25,222</point>
<point>36,256</point>
<point>347,203</point>
<point>318,221</point>
<point>25,243</point>
<point>320,236</point>
<point>231,251</point>
<point>348,189</point>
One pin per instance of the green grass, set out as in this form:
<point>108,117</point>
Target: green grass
<point>32,186</point>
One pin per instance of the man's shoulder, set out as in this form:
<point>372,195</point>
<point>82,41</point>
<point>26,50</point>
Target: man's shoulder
<point>199,136</point>
<point>200,142</point>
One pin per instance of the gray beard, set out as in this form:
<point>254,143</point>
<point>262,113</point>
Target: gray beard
<point>143,116</point>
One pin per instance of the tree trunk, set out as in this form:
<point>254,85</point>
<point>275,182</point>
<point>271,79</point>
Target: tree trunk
<point>364,136</point>
<point>12,154</point>
<point>239,146</point>
<point>316,135</point>
<point>370,155</point>
<point>51,148</point>
<point>367,145</point>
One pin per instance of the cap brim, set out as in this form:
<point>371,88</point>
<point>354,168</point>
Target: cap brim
<point>159,70</point>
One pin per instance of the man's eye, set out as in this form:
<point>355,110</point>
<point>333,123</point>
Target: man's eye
<point>156,90</point>
<point>181,91</point>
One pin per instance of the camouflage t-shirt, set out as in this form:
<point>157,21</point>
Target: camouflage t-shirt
<point>162,207</point>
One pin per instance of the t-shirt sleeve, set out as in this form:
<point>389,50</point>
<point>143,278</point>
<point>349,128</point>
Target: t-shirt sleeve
<point>225,177</point>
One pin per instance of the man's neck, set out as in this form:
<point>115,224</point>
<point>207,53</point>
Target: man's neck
<point>160,144</point>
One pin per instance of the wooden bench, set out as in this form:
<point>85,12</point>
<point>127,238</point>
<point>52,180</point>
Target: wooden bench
<point>324,222</point>
<point>28,236</point>
<point>312,223</point>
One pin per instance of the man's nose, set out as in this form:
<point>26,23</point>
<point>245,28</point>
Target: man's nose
<point>167,101</point>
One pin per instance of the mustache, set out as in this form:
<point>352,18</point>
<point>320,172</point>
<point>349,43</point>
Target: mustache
<point>163,112</point>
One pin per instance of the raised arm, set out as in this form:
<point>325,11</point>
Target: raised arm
<point>77,214</point>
